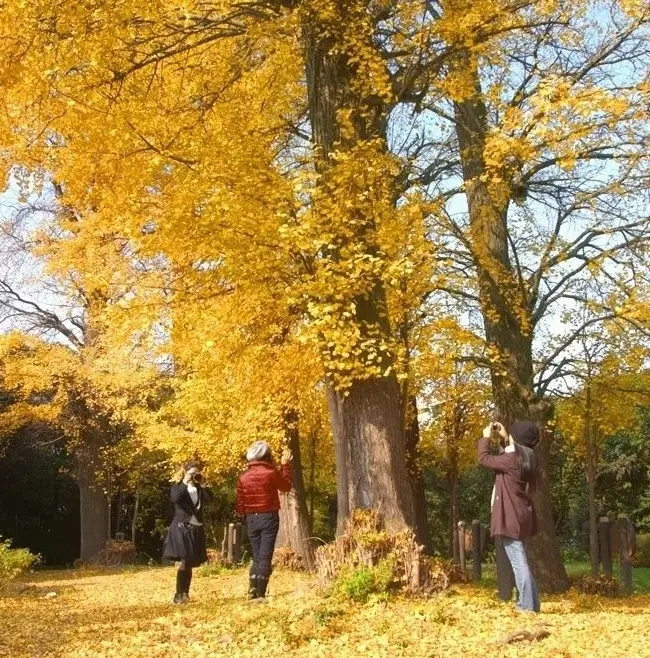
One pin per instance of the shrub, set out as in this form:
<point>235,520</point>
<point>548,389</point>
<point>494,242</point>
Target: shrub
<point>366,553</point>
<point>358,584</point>
<point>642,555</point>
<point>116,552</point>
<point>573,551</point>
<point>602,584</point>
<point>14,561</point>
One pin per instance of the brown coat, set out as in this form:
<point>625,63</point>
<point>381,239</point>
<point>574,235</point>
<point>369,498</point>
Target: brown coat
<point>513,514</point>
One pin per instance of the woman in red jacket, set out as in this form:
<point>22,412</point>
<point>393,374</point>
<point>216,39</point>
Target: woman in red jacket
<point>513,515</point>
<point>258,499</point>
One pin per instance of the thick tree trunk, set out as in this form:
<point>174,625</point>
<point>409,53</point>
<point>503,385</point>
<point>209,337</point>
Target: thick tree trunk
<point>507,315</point>
<point>371,451</point>
<point>93,504</point>
<point>295,531</point>
<point>544,549</point>
<point>366,419</point>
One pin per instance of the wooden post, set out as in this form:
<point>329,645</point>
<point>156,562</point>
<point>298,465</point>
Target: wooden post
<point>476,550</point>
<point>231,543</point>
<point>461,544</point>
<point>238,543</point>
<point>604,530</point>
<point>224,542</point>
<point>625,553</point>
<point>505,576</point>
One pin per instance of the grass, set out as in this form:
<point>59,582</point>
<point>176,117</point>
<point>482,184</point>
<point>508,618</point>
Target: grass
<point>127,613</point>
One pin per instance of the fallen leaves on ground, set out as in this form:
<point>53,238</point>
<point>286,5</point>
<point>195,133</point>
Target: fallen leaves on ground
<point>127,613</point>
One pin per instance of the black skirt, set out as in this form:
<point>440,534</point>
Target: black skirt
<point>185,541</point>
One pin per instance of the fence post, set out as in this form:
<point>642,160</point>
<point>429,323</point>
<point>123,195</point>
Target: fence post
<point>224,542</point>
<point>238,543</point>
<point>625,553</point>
<point>476,550</point>
<point>604,530</point>
<point>231,543</point>
<point>461,544</point>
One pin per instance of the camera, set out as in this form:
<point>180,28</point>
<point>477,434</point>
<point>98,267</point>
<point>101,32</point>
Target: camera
<point>197,478</point>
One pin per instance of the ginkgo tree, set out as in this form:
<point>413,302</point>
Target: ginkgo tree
<point>60,371</point>
<point>284,146</point>
<point>614,386</point>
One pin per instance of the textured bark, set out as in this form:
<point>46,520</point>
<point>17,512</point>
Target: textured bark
<point>295,531</point>
<point>371,450</point>
<point>93,503</point>
<point>544,549</point>
<point>366,421</point>
<point>507,316</point>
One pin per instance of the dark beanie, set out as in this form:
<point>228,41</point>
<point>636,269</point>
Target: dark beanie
<point>525,433</point>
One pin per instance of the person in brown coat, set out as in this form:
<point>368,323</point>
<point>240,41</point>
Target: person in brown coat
<point>258,499</point>
<point>513,516</point>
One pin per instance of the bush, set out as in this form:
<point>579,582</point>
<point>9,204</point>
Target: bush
<point>602,584</point>
<point>14,561</point>
<point>573,551</point>
<point>116,552</point>
<point>366,554</point>
<point>642,555</point>
<point>358,584</point>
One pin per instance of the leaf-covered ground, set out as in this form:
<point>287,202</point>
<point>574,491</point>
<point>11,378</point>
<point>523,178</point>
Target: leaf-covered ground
<point>128,614</point>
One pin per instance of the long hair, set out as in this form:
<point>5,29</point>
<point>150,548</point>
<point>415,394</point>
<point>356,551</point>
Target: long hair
<point>527,465</point>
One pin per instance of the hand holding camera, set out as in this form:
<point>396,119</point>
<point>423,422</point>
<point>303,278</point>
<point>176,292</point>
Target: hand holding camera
<point>496,429</point>
<point>193,477</point>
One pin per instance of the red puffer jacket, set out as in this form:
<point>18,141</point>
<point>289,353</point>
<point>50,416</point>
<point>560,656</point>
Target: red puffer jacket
<point>258,486</point>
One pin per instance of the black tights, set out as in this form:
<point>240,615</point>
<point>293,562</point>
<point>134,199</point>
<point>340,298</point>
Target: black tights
<point>183,578</point>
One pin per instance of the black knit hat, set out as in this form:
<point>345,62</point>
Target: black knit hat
<point>525,433</point>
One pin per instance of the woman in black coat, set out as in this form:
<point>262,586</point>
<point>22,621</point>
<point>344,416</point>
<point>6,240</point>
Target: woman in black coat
<point>185,541</point>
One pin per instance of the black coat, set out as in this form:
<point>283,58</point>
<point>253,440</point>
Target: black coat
<point>184,508</point>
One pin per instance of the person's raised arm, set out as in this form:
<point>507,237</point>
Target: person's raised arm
<point>283,477</point>
<point>499,463</point>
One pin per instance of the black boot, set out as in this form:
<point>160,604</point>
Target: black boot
<point>252,587</point>
<point>185,594</point>
<point>180,586</point>
<point>262,584</point>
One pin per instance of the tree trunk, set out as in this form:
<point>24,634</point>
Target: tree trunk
<point>295,531</point>
<point>134,522</point>
<point>372,452</point>
<point>341,459</point>
<point>507,314</point>
<point>416,479</point>
<point>544,548</point>
<point>454,538</point>
<point>591,483</point>
<point>93,506</point>
<point>366,418</point>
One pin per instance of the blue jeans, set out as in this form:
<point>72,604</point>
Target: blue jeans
<point>526,585</point>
